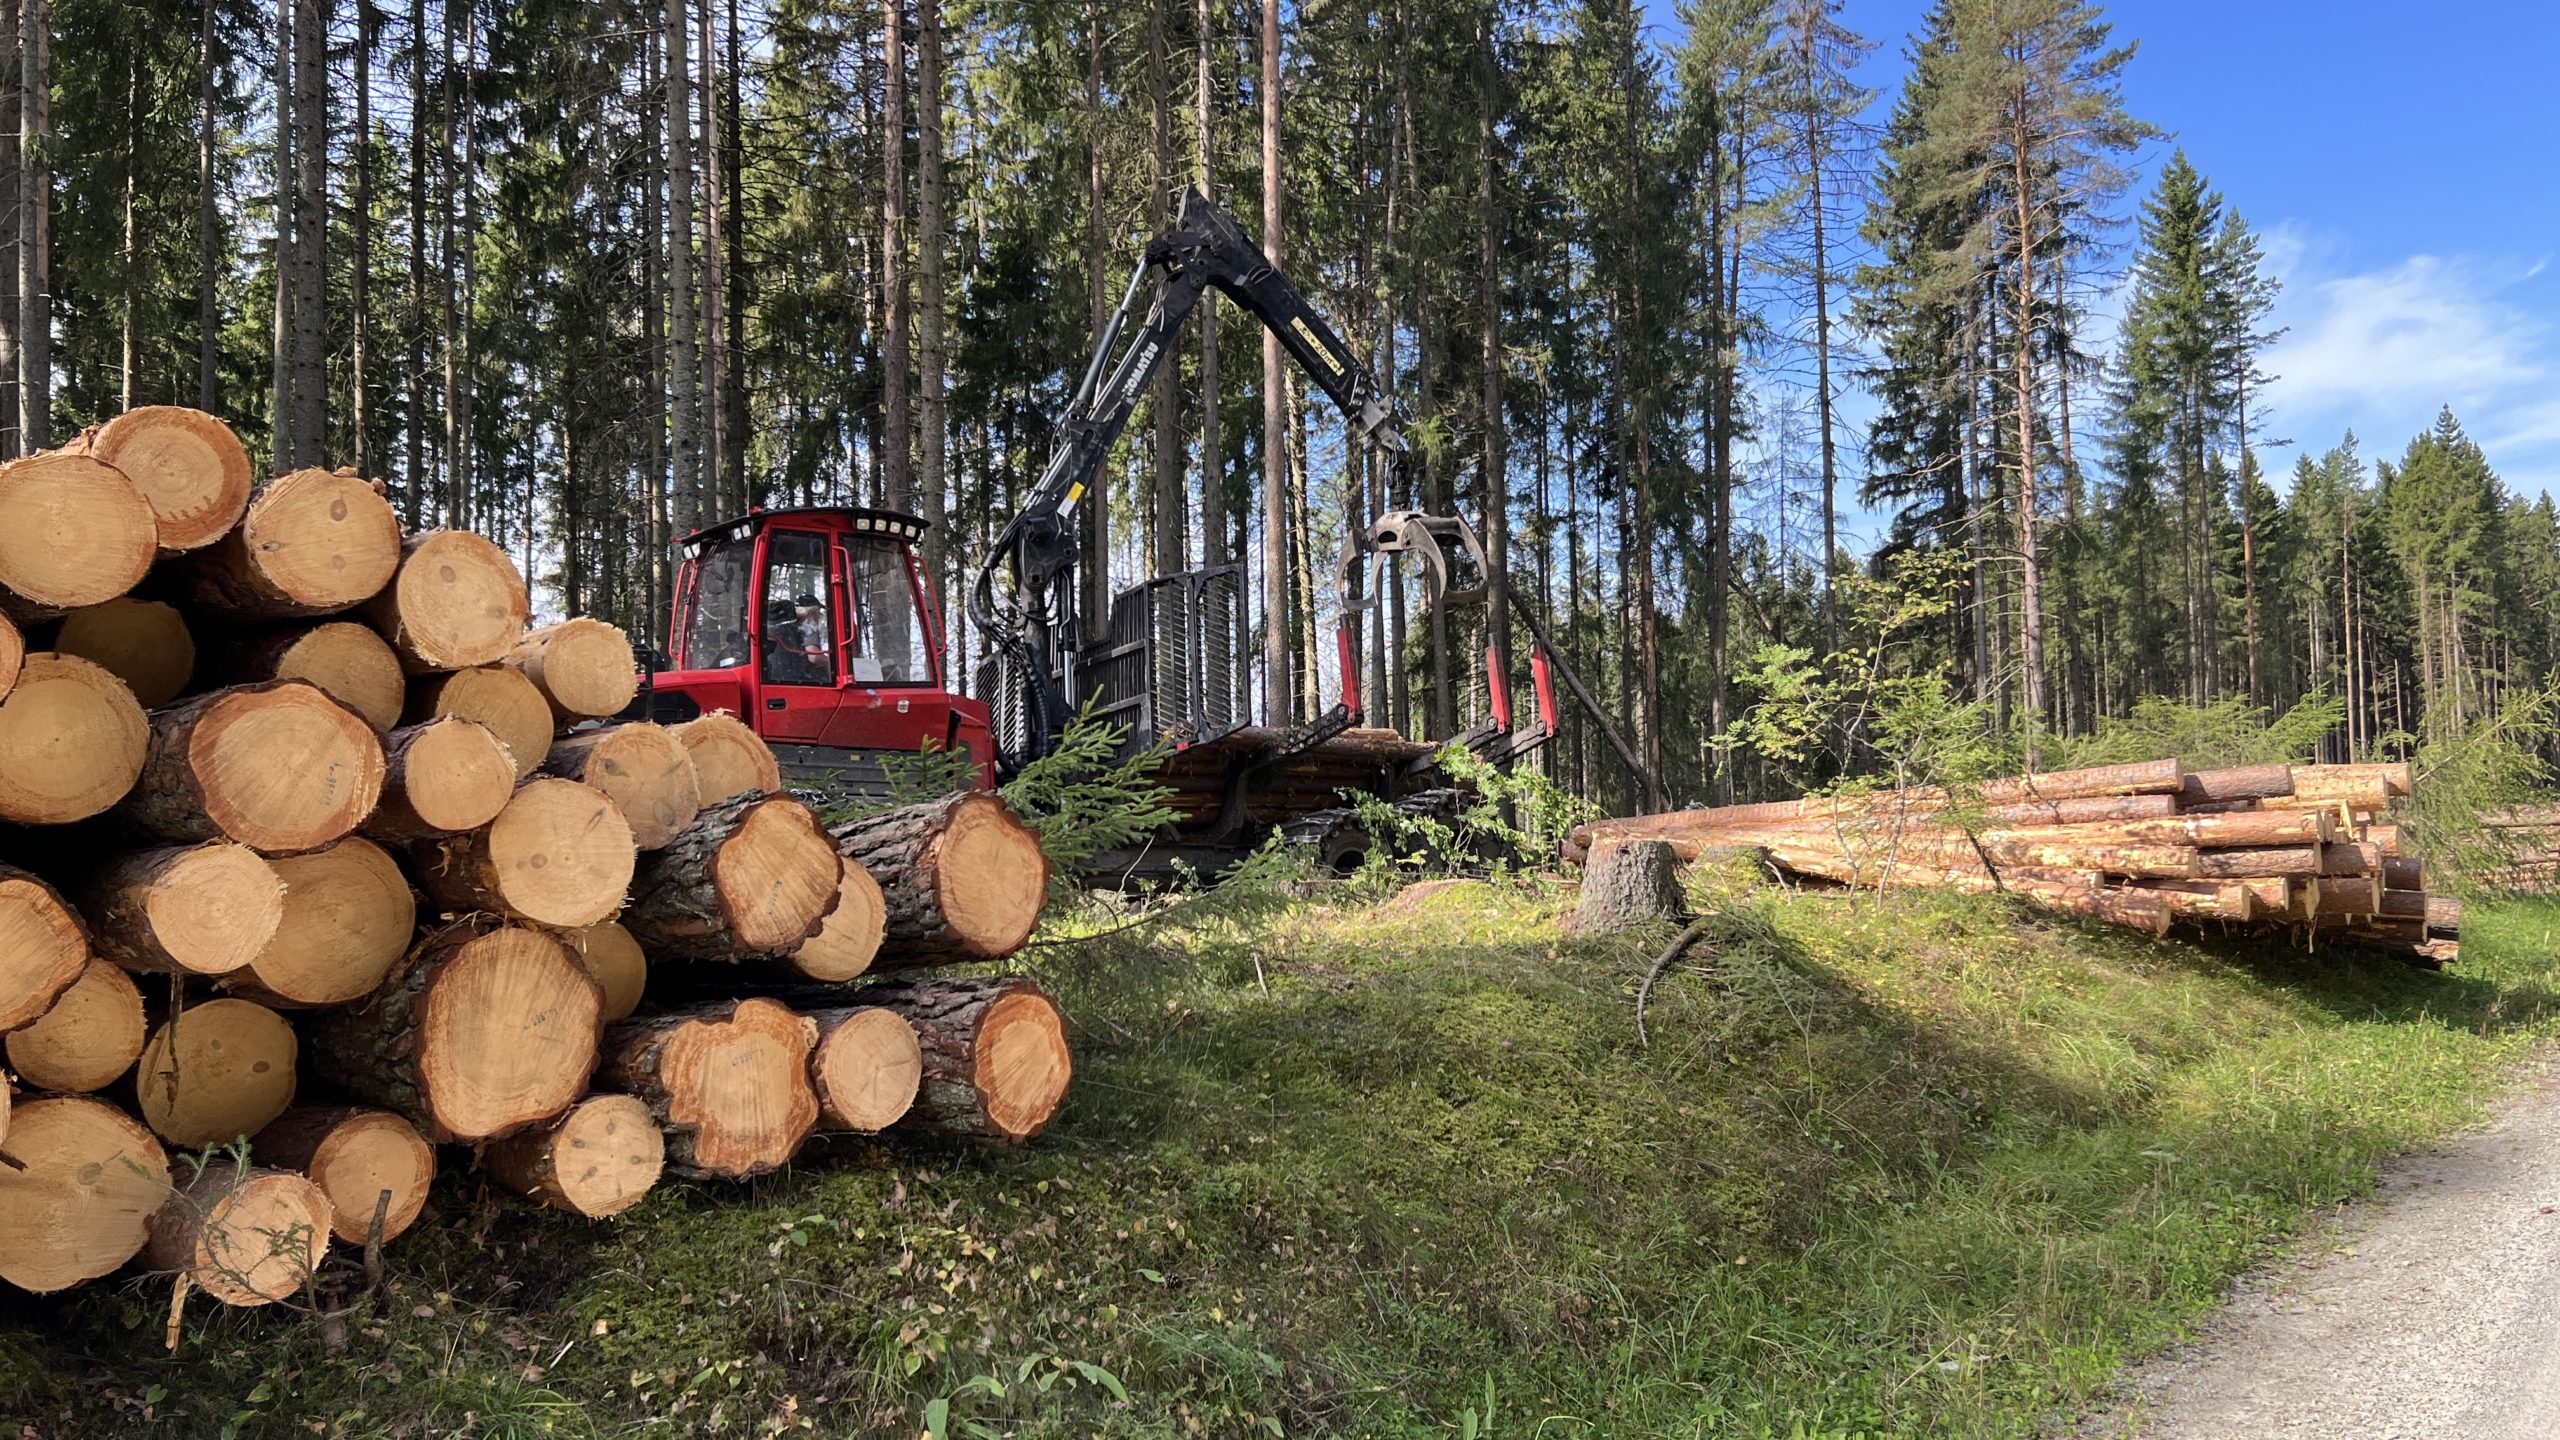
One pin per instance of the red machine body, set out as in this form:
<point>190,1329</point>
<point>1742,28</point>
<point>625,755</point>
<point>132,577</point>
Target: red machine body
<point>820,629</point>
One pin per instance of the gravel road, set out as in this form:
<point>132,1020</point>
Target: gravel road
<point>2432,1311</point>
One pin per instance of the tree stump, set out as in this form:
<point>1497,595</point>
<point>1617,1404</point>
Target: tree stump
<point>994,1053</point>
<point>347,917</point>
<point>728,758</point>
<point>245,1237</point>
<point>278,766</point>
<point>753,876</point>
<point>583,667</point>
<point>42,948</point>
<point>80,1200</point>
<point>1630,885</point>
<point>186,909</point>
<point>498,698</point>
<point>351,665</point>
<point>730,1082</point>
<point>72,741</point>
<point>961,878</point>
<point>643,767</point>
<point>866,1067</point>
<point>440,778</point>
<point>73,531</point>
<point>144,643</point>
<point>484,1032</point>
<point>596,1161</point>
<point>354,1155</point>
<point>313,542</point>
<point>189,466</point>
<point>559,854</point>
<point>455,602</point>
<point>220,1070</point>
<point>88,1040</point>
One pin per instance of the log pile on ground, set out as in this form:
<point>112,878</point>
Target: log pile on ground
<point>319,856</point>
<point>2311,850</point>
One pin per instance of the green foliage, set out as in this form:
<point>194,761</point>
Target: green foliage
<point>1502,820</point>
<point>1084,798</point>
<point>2230,731</point>
<point>2498,762</point>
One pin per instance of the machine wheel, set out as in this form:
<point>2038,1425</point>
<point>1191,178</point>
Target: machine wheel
<point>1337,839</point>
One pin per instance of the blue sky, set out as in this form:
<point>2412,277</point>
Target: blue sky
<point>2403,165</point>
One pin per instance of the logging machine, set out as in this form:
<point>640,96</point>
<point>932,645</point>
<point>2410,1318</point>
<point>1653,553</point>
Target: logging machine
<point>822,630</point>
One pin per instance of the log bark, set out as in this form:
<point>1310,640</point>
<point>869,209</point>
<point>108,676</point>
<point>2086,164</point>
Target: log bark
<point>752,876</point>
<point>1628,885</point>
<point>2237,782</point>
<point>13,654</point>
<point>2341,782</point>
<point>355,1156</point>
<point>2286,860</point>
<point>189,466</point>
<point>483,1032</point>
<point>559,854</point>
<point>350,663</point>
<point>185,910</point>
<point>961,878</point>
<point>218,1071</point>
<point>72,741</point>
<point>583,668</point>
<point>441,777</point>
<point>646,770</point>
<point>144,643</point>
<point>619,965</point>
<point>277,766</point>
<point>596,1161</point>
<point>79,1201</point>
<point>728,758</point>
<point>994,1052</point>
<point>730,1083</point>
<point>347,918</point>
<point>43,949</point>
<point>866,1067</point>
<point>312,542</point>
<point>244,1236</point>
<point>496,697</point>
<point>73,531</point>
<point>88,1040</point>
<point>848,941</point>
<point>455,602</point>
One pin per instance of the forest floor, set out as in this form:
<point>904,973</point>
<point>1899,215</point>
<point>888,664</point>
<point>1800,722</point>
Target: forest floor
<point>1911,1165</point>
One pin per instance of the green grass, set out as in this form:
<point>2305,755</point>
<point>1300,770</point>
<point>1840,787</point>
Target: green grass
<point>1911,1166</point>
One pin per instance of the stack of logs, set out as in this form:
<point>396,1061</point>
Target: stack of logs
<point>2524,846</point>
<point>315,859</point>
<point>2311,849</point>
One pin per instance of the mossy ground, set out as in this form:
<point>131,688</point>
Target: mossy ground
<point>1901,1166</point>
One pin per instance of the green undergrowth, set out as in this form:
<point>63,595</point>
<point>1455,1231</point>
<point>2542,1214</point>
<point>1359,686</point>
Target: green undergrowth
<point>1902,1166</point>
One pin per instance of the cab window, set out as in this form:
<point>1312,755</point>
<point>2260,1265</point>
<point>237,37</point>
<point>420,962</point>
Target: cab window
<point>715,622</point>
<point>888,641</point>
<point>799,631</point>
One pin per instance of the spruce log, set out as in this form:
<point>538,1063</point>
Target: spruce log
<point>559,854</point>
<point>1628,885</point>
<point>277,766</point>
<point>849,939</point>
<point>728,758</point>
<point>13,654</point>
<point>753,875</point>
<point>583,667</point>
<point>620,966</point>
<point>144,643</point>
<point>484,1032</point>
<point>497,697</point>
<point>347,918</point>
<point>961,878</point>
<point>730,1082</point>
<point>2236,782</point>
<point>73,531</point>
<point>190,467</point>
<point>353,665</point>
<point>43,949</point>
<point>217,1071</point>
<point>2324,782</point>
<point>2351,858</point>
<point>354,1155</point>
<point>865,1069</point>
<point>79,1201</point>
<point>2345,895</point>
<point>312,542</point>
<point>2402,904</point>
<point>72,741</point>
<point>2444,914</point>
<point>244,1236</point>
<point>441,777</point>
<point>644,767</point>
<point>2283,860</point>
<point>994,1053</point>
<point>88,1040</point>
<point>596,1161</point>
<point>2404,872</point>
<point>185,909</point>
<point>2385,839</point>
<point>455,602</point>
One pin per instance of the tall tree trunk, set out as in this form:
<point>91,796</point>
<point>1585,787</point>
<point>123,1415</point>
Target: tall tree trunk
<point>732,395</point>
<point>414,470</point>
<point>280,411</point>
<point>1172,533</point>
<point>1095,603</point>
<point>311,222</point>
<point>657,602</point>
<point>897,476</point>
<point>1496,483</point>
<point>933,408</point>
<point>1277,691</point>
<point>2248,533</point>
<point>208,232</point>
<point>360,285</point>
<point>1213,469</point>
<point>2030,562</point>
<point>684,373</point>
<point>710,389</point>
<point>35,255</point>
<point>1813,138</point>
<point>132,280</point>
<point>466,368</point>
<point>13,53</point>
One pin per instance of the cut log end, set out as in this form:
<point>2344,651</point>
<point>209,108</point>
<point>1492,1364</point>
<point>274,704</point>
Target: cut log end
<point>221,1070</point>
<point>278,766</point>
<point>643,767</point>
<point>583,667</point>
<point>728,758</point>
<point>80,1200</point>
<point>88,1040</point>
<point>849,939</point>
<point>995,1054</point>
<point>1022,1063</point>
<point>731,1084</point>
<point>596,1161</point>
<point>189,466</point>
<point>559,854</point>
<point>865,1069</point>
<point>987,861</point>
<point>778,876</point>
<point>313,542</point>
<point>144,643</point>
<point>73,531</point>
<point>618,964</point>
<point>245,1237</point>
<point>350,663</point>
<point>200,910</point>
<point>457,602</point>
<point>72,741</point>
<point>344,922</point>
<point>497,697</point>
<point>506,1034</point>
<point>354,1155</point>
<point>445,775</point>
<point>43,950</point>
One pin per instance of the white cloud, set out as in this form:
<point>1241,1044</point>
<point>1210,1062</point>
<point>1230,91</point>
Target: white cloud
<point>2426,332</point>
